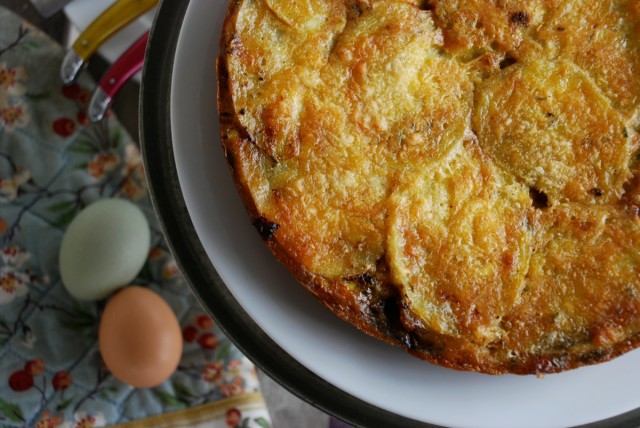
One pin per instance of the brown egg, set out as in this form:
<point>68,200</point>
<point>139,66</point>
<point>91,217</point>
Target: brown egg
<point>140,338</point>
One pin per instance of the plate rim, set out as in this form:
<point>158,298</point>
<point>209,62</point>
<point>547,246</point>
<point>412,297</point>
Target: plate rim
<point>157,150</point>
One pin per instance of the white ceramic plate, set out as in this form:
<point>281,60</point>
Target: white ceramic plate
<point>274,319</point>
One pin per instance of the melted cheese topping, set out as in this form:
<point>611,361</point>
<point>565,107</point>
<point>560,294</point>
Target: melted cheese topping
<point>459,244</point>
<point>336,166</point>
<point>549,125</point>
<point>484,151</point>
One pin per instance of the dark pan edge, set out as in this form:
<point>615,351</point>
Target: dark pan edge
<point>157,149</point>
<point>155,128</point>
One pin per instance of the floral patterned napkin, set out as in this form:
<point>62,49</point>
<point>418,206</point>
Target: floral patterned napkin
<point>53,163</point>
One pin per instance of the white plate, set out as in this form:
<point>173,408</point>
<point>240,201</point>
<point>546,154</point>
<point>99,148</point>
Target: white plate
<point>364,368</point>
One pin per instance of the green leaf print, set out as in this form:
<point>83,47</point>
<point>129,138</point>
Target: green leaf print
<point>4,327</point>
<point>223,351</point>
<point>183,393</point>
<point>83,147</point>
<point>168,399</point>
<point>11,412</point>
<point>81,318</point>
<point>38,97</point>
<point>65,218</point>
<point>107,391</point>
<point>116,137</point>
<point>262,422</point>
<point>60,206</point>
<point>64,404</point>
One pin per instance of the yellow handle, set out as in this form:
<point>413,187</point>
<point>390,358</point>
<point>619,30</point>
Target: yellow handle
<point>117,16</point>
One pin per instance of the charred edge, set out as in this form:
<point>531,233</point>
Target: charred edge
<point>365,279</point>
<point>387,315</point>
<point>231,160</point>
<point>520,18</point>
<point>228,118</point>
<point>223,73</point>
<point>597,192</point>
<point>507,61</point>
<point>539,199</point>
<point>391,310</point>
<point>426,5</point>
<point>595,356</point>
<point>356,10</point>
<point>265,228</point>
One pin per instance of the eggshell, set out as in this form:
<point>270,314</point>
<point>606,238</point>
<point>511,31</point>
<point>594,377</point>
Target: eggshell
<point>140,337</point>
<point>104,248</point>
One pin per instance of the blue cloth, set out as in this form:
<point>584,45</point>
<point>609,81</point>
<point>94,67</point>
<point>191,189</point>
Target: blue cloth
<point>52,165</point>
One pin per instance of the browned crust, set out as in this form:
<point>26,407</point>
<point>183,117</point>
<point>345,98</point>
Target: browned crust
<point>382,318</point>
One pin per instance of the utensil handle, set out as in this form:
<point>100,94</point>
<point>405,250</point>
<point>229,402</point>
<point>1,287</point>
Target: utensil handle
<point>108,23</point>
<point>129,63</point>
<point>125,67</point>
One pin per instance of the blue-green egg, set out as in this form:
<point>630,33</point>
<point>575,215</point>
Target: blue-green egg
<point>104,248</point>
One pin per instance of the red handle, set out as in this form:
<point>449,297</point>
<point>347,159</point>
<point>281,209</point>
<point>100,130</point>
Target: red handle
<point>126,66</point>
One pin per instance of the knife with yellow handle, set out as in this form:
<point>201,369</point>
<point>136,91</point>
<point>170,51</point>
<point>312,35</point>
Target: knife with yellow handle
<point>112,20</point>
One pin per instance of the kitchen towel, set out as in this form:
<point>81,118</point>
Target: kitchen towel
<point>53,163</point>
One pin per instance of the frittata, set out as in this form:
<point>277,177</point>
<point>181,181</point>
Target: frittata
<point>456,178</point>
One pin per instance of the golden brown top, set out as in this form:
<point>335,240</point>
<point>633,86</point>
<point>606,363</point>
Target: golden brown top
<point>455,177</point>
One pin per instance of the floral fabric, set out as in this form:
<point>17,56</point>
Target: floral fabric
<point>53,163</point>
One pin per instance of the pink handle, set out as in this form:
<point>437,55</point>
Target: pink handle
<point>126,66</point>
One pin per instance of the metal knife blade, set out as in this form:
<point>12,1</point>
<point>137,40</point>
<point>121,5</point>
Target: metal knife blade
<point>46,8</point>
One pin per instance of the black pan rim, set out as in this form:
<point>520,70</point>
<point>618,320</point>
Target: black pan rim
<point>199,272</point>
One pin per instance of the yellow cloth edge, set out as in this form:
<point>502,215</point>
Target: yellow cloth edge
<point>197,414</point>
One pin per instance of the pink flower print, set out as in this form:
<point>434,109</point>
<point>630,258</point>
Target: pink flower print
<point>48,421</point>
<point>133,162</point>
<point>12,284</point>
<point>156,253</point>
<point>131,189</point>
<point>11,81</point>
<point>102,163</point>
<point>243,368</point>
<point>85,420</point>
<point>134,185</point>
<point>170,269</point>
<point>13,116</point>
<point>233,388</point>
<point>234,364</point>
<point>212,372</point>
<point>9,186</point>
<point>15,256</point>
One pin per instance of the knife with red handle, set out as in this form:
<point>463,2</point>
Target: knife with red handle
<point>117,75</point>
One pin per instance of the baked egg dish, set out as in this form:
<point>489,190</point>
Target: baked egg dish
<point>456,178</point>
